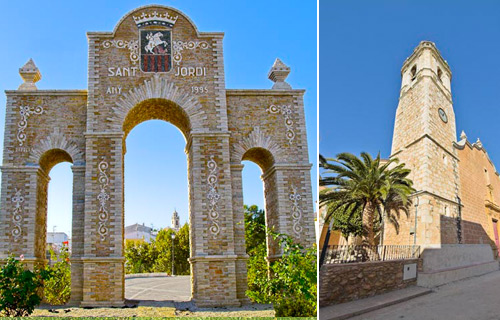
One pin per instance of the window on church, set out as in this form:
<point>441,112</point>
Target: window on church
<point>487,176</point>
<point>440,74</point>
<point>413,72</point>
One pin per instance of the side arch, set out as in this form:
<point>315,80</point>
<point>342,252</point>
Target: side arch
<point>46,162</point>
<point>261,149</point>
<point>50,152</point>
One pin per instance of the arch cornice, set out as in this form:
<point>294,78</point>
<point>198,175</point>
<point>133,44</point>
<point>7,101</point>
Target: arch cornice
<point>56,140</point>
<point>257,139</point>
<point>157,88</point>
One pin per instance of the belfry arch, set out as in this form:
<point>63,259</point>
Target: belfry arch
<point>155,64</point>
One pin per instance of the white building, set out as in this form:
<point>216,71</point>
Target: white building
<point>58,239</point>
<point>142,232</point>
<point>139,232</point>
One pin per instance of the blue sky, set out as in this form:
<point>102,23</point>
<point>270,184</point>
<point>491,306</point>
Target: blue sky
<point>256,32</point>
<point>363,45</point>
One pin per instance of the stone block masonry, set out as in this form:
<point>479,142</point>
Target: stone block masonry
<point>352,281</point>
<point>175,73</point>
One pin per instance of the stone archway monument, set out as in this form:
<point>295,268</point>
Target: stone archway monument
<point>154,65</point>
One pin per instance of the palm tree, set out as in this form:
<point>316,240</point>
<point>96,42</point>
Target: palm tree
<point>376,188</point>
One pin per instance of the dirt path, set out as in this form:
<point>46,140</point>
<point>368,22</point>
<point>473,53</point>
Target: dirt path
<point>158,309</point>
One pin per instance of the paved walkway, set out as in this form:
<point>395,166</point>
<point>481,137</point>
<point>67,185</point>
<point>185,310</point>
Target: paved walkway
<point>159,288</point>
<point>362,306</point>
<point>475,298</point>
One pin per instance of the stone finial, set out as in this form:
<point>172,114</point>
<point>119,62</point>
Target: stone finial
<point>479,144</point>
<point>463,136</point>
<point>30,74</point>
<point>278,73</point>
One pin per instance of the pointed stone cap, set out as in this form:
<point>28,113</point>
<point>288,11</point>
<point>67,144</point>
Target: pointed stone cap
<point>30,74</point>
<point>463,136</point>
<point>278,73</point>
<point>478,143</point>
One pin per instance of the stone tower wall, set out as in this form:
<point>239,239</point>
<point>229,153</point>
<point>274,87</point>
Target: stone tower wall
<point>424,142</point>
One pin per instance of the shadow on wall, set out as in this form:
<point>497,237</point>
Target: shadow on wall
<point>339,283</point>
<point>470,233</point>
<point>335,238</point>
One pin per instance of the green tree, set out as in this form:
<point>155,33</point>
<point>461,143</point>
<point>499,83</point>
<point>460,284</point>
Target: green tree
<point>291,288</point>
<point>375,187</point>
<point>20,288</point>
<point>140,256</point>
<point>57,289</point>
<point>181,251</point>
<point>349,223</point>
<point>255,227</point>
<point>163,244</point>
<point>256,248</point>
<point>143,257</point>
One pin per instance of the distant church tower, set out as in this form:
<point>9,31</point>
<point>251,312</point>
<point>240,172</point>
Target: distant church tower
<point>424,134</point>
<point>175,221</point>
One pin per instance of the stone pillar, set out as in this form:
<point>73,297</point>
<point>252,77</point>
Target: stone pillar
<point>40,232</point>
<point>19,214</point>
<point>289,205</point>
<point>272,211</point>
<point>103,262</point>
<point>213,257</point>
<point>77,237</point>
<point>239,233</point>
<point>307,234</point>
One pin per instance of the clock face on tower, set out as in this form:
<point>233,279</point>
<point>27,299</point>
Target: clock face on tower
<point>443,115</point>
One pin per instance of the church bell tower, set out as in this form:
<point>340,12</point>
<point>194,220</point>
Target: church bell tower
<point>175,221</point>
<point>424,133</point>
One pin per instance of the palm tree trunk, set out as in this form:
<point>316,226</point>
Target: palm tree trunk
<point>368,215</point>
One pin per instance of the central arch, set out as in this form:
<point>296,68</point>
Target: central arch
<point>170,112</point>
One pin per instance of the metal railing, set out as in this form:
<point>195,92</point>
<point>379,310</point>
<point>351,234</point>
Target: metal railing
<point>364,253</point>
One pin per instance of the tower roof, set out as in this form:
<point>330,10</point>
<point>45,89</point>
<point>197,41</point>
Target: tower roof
<point>422,46</point>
